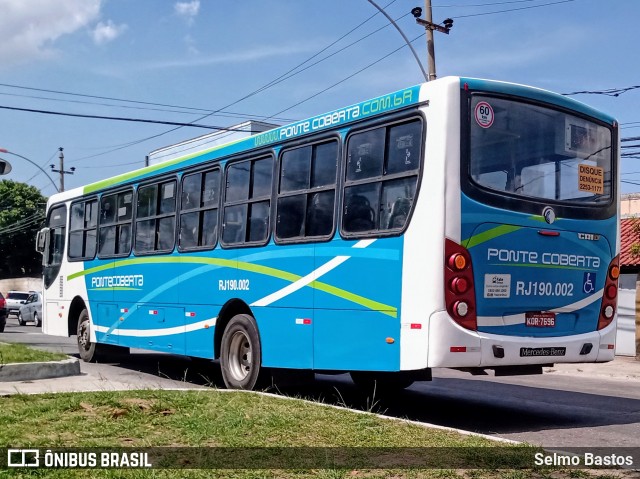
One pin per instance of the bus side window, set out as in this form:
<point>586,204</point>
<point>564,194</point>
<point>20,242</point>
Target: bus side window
<point>247,210</point>
<point>82,230</point>
<point>358,214</point>
<point>114,232</point>
<point>382,202</point>
<point>199,210</point>
<point>306,196</point>
<point>366,155</point>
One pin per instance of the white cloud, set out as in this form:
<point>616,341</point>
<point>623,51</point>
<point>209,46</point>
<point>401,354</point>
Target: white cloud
<point>107,32</point>
<point>29,29</point>
<point>187,10</point>
<point>229,57</point>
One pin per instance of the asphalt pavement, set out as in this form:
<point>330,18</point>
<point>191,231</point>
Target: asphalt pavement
<point>93,378</point>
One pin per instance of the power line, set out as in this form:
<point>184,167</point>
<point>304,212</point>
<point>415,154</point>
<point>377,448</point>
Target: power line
<point>119,118</point>
<point>512,9</point>
<point>264,87</point>
<point>192,112</point>
<point>484,4</point>
<point>614,92</point>
<point>350,76</point>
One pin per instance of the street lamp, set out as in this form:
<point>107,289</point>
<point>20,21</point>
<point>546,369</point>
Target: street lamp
<point>406,40</point>
<point>5,167</point>
<point>4,150</point>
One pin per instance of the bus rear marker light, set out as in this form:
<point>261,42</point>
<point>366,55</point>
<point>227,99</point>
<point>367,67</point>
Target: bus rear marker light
<point>457,262</point>
<point>608,312</point>
<point>459,285</point>
<point>416,326</point>
<point>614,272</point>
<point>461,308</point>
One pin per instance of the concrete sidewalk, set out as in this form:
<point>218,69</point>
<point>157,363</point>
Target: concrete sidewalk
<point>622,367</point>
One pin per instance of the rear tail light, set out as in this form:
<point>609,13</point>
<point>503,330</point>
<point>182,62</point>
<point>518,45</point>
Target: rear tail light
<point>609,299</point>
<point>459,291</point>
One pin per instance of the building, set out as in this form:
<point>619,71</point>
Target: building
<point>210,140</point>
<point>628,340</point>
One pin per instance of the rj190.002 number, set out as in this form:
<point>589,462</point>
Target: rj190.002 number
<point>542,288</point>
<point>233,285</point>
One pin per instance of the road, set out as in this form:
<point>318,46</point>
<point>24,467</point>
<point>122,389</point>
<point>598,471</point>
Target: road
<point>551,410</point>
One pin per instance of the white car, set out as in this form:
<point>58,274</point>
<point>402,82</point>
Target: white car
<point>15,299</point>
<point>31,310</point>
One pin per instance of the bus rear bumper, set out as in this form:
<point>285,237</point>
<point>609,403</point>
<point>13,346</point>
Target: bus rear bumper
<point>457,347</point>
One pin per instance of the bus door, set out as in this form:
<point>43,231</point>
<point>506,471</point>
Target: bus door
<point>51,243</point>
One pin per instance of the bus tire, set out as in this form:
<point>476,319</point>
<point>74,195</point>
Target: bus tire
<point>381,382</point>
<point>241,354</point>
<point>86,348</point>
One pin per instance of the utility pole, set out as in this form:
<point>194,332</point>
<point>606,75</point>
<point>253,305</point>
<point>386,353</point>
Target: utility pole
<point>429,26</point>
<point>62,170</point>
<point>431,55</point>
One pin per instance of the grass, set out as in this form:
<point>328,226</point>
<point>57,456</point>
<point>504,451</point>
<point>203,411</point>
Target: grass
<point>19,353</point>
<point>244,428</point>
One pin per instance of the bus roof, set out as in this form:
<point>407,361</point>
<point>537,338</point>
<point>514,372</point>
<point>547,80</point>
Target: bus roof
<point>326,121</point>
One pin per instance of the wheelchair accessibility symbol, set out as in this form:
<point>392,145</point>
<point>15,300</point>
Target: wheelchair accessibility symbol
<point>589,283</point>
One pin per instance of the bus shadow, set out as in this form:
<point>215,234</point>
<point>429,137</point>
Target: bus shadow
<point>485,407</point>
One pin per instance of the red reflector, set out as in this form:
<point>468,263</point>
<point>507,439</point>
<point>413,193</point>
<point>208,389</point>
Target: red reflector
<point>549,233</point>
<point>459,285</point>
<point>610,346</point>
<point>458,349</point>
<point>306,321</point>
<point>416,326</point>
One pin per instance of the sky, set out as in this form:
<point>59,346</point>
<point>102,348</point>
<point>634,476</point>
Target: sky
<point>177,61</point>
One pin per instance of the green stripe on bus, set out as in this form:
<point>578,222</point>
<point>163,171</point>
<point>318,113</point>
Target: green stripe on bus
<point>489,235</point>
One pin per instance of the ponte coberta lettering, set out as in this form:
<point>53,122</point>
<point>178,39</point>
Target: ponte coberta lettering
<point>535,257</point>
<point>338,117</point>
<point>123,281</point>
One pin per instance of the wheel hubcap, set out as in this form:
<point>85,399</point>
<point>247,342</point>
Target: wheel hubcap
<point>83,337</point>
<point>240,356</point>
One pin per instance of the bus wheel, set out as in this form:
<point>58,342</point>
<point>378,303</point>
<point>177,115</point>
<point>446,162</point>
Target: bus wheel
<point>241,354</point>
<point>381,382</point>
<point>86,348</point>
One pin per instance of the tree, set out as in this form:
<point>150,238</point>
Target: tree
<point>22,212</point>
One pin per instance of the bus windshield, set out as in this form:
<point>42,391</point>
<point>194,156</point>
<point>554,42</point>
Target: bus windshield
<point>538,152</point>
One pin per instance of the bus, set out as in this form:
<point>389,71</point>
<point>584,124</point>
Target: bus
<point>460,223</point>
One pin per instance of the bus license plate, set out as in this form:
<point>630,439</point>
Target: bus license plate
<point>540,320</point>
<point>549,351</point>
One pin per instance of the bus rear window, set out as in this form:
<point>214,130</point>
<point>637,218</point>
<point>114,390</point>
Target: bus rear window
<point>539,152</point>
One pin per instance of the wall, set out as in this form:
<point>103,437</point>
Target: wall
<point>20,284</point>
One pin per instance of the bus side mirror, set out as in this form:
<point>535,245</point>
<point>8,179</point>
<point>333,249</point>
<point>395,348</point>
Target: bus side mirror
<point>42,244</point>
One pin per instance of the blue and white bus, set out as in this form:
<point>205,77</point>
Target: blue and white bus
<point>461,223</point>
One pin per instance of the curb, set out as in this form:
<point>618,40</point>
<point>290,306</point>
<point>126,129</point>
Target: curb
<point>43,370</point>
